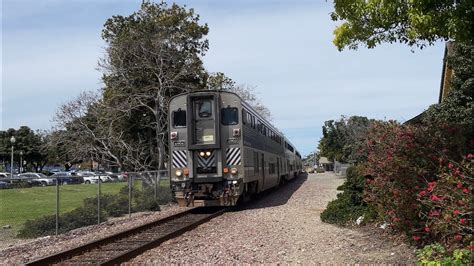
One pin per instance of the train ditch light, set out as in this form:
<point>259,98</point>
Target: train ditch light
<point>236,132</point>
<point>174,135</point>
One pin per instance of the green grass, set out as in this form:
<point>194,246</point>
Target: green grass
<point>19,205</point>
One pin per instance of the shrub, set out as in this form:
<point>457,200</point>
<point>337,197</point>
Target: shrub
<point>414,186</point>
<point>349,204</point>
<point>446,204</point>
<point>111,205</point>
<point>46,225</point>
<point>437,254</point>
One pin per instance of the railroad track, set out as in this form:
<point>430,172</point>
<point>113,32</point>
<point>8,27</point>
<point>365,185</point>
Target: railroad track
<point>123,246</point>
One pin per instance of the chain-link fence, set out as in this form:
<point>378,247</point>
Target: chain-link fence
<point>32,207</point>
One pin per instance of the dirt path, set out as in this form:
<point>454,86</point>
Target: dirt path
<point>282,227</point>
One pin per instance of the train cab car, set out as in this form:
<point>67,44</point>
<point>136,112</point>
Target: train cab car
<point>221,150</point>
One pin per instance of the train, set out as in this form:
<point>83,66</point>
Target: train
<point>222,152</point>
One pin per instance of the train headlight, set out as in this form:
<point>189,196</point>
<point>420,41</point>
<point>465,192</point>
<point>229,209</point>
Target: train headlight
<point>208,153</point>
<point>233,171</point>
<point>202,154</point>
<point>179,173</point>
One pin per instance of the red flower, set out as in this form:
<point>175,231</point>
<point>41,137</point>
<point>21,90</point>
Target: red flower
<point>462,221</point>
<point>422,193</point>
<point>431,186</point>
<point>456,172</point>
<point>435,198</point>
<point>459,185</point>
<point>461,202</point>
<point>457,212</point>
<point>465,190</point>
<point>471,247</point>
<point>416,238</point>
<point>470,156</point>
<point>450,166</point>
<point>427,229</point>
<point>434,213</point>
<point>458,237</point>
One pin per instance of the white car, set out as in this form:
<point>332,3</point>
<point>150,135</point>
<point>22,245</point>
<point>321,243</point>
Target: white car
<point>4,175</point>
<point>39,177</point>
<point>92,178</point>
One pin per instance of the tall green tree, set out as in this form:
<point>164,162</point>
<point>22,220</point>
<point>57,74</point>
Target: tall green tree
<point>343,139</point>
<point>152,55</point>
<point>27,142</point>
<point>413,22</point>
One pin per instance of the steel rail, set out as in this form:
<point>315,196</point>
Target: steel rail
<point>63,256</point>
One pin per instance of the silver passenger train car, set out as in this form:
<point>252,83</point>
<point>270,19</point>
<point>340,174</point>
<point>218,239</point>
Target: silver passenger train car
<point>221,150</point>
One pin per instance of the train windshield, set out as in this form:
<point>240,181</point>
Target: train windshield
<point>179,118</point>
<point>205,109</point>
<point>230,116</point>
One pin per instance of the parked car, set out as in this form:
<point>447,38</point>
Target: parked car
<point>41,179</point>
<point>4,185</point>
<point>65,178</point>
<point>4,175</point>
<point>115,177</point>
<point>88,177</point>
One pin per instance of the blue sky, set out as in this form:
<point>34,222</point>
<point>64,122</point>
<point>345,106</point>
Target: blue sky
<point>284,49</point>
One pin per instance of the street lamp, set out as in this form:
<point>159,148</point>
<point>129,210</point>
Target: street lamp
<point>21,162</point>
<point>12,140</point>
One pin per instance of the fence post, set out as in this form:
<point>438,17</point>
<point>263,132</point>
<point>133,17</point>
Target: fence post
<point>157,178</point>
<point>57,205</point>
<point>98,200</point>
<point>130,196</point>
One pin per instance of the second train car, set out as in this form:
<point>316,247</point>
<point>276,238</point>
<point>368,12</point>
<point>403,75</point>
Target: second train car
<point>222,150</point>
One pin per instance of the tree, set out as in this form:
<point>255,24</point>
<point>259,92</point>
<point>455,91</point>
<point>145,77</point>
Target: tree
<point>219,81</point>
<point>455,111</point>
<point>152,55</point>
<point>343,139</point>
<point>28,142</point>
<point>87,129</point>
<point>416,23</point>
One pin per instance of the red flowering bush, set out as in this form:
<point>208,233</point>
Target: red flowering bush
<point>447,204</point>
<point>417,181</point>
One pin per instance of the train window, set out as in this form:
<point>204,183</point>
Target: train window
<point>244,117</point>
<point>205,108</point>
<point>290,147</point>
<point>253,121</point>
<point>179,118</point>
<point>230,116</point>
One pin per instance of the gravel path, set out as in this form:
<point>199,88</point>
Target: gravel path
<point>282,227</point>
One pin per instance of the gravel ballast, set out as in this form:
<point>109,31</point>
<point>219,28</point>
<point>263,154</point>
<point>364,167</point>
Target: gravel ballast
<point>280,227</point>
<point>41,247</point>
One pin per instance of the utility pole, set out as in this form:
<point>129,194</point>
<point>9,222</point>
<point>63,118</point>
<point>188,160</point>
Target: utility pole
<point>315,163</point>
<point>12,140</point>
<point>21,162</point>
